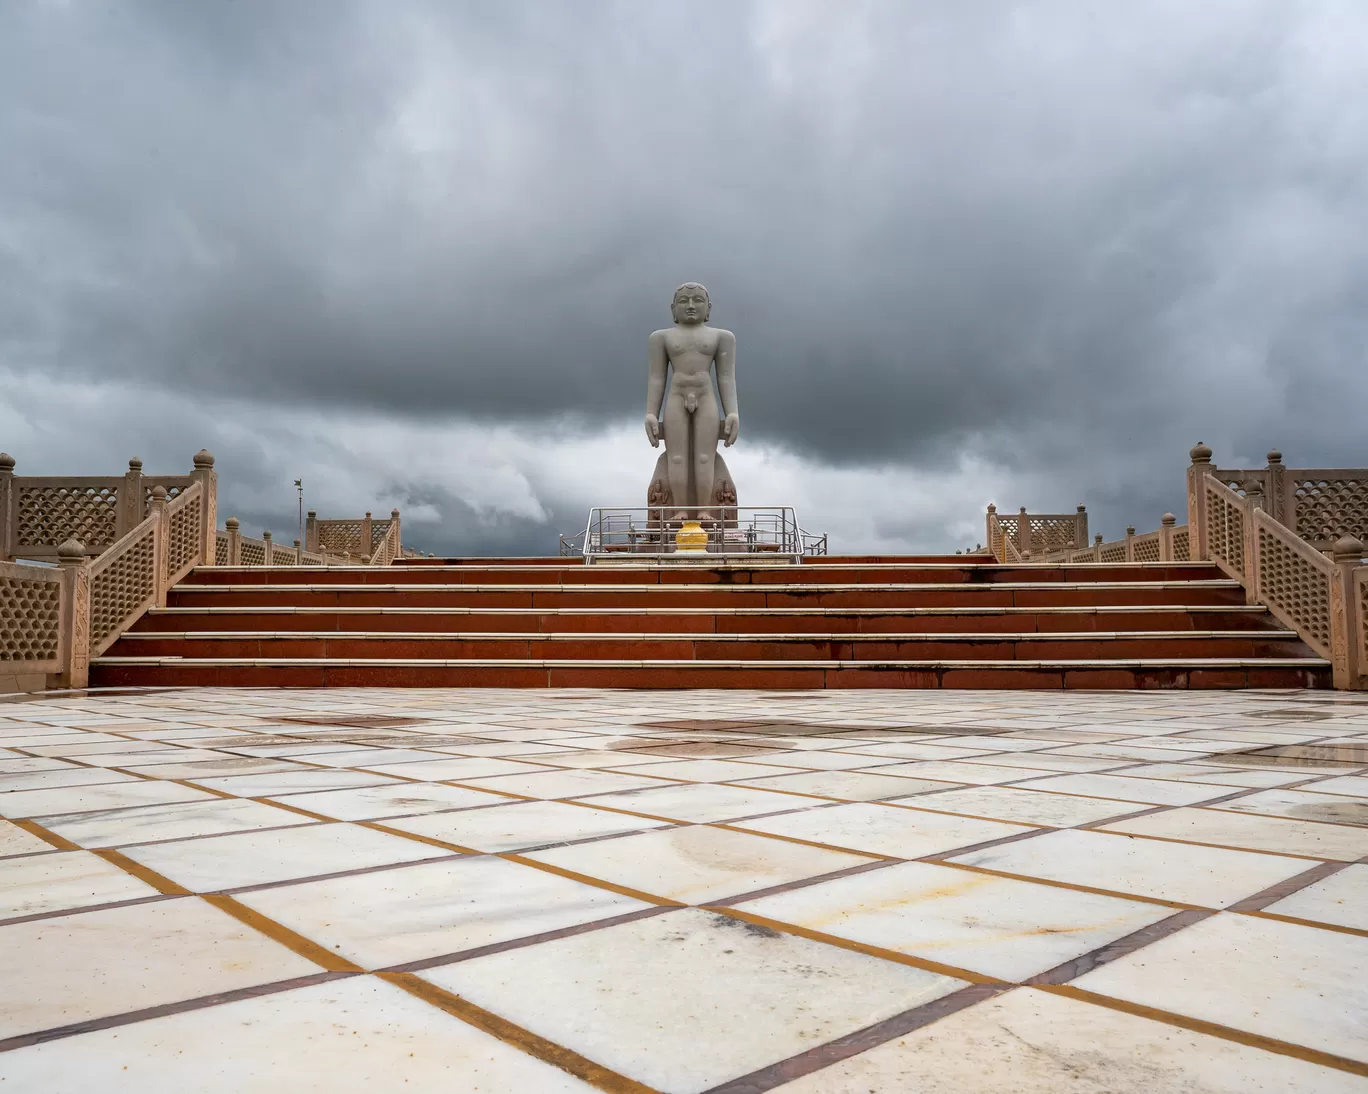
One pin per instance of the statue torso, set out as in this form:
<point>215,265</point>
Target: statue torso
<point>691,349</point>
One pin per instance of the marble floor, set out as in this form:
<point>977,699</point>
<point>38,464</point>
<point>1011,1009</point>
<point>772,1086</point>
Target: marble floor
<point>816,893</point>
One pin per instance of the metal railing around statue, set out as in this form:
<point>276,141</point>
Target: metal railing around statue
<point>733,532</point>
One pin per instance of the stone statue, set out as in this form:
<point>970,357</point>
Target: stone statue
<point>687,415</point>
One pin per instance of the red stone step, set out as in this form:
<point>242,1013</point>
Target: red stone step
<point>1160,646</point>
<point>1096,675</point>
<point>711,596</point>
<point>695,621</point>
<point>904,572</point>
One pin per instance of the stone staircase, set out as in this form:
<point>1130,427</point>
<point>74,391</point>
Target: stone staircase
<point>854,621</point>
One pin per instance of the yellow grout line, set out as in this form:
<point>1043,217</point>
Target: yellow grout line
<point>533,1045</point>
<point>147,876</point>
<point>292,940</point>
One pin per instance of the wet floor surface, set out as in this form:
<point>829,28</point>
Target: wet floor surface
<point>814,893</point>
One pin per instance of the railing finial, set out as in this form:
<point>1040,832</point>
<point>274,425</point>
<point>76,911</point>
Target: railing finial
<point>1274,457</point>
<point>1347,548</point>
<point>1200,453</point>
<point>232,524</point>
<point>73,550</point>
<point>1168,520</point>
<point>135,465</point>
<point>204,460</point>
<point>6,462</point>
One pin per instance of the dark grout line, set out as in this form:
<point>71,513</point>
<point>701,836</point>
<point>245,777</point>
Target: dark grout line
<point>523,942</point>
<point>1262,899</point>
<point>113,1021</point>
<point>852,1044</point>
<point>1120,947</point>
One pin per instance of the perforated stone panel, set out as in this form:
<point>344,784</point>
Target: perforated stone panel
<point>342,536</point>
<point>220,548</point>
<point>183,542</point>
<point>1297,587</point>
<point>1225,531</point>
<point>1330,508</point>
<point>280,558</point>
<point>1182,545</point>
<point>1146,550</point>
<point>51,515</point>
<point>1049,534</point>
<point>251,553</point>
<point>30,619</point>
<point>126,583</point>
<point>1113,552</point>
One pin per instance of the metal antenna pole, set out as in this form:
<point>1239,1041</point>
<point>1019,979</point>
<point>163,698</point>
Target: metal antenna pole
<point>299,487</point>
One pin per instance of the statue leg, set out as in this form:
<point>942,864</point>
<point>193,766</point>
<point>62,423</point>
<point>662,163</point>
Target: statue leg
<point>706,420</point>
<point>676,423</point>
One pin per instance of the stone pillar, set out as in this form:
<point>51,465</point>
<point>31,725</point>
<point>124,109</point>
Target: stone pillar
<point>234,541</point>
<point>1130,543</point>
<point>75,617</point>
<point>132,509</point>
<point>268,553</point>
<point>1196,487</point>
<point>1281,503</point>
<point>298,553</point>
<point>205,475</point>
<point>311,532</point>
<point>1346,640</point>
<point>366,532</point>
<point>160,541</point>
<point>1166,526</point>
<point>989,521</point>
<point>1081,528</point>
<point>1097,547</point>
<point>1024,533</point>
<point>394,520</point>
<point>6,507</point>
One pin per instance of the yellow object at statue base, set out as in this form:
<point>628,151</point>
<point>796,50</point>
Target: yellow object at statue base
<point>691,539</point>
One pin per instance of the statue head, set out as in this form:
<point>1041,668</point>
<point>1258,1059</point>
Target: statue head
<point>691,304</point>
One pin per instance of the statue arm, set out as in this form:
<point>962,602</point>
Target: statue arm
<point>726,384</point>
<point>656,364</point>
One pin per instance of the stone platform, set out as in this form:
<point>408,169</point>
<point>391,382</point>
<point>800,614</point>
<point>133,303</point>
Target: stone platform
<point>813,893</point>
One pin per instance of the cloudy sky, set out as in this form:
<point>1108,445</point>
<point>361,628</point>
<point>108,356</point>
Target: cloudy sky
<point>410,251</point>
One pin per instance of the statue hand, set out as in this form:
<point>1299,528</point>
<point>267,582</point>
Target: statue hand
<point>731,428</point>
<point>653,430</point>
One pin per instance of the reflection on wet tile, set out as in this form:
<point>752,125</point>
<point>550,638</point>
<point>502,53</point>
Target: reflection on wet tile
<point>511,826</point>
<point>997,926</point>
<point>643,997</point>
<point>1147,791</point>
<point>1300,805</point>
<point>696,864</point>
<point>1306,986</point>
<point>1012,803</point>
<point>847,785</point>
<point>390,800</point>
<point>886,829</point>
<point>1211,877</point>
<point>1276,834</point>
<point>114,827</point>
<point>254,858</point>
<point>435,908</point>
<point>80,799</point>
<point>700,802</point>
<point>99,963</point>
<point>566,783</point>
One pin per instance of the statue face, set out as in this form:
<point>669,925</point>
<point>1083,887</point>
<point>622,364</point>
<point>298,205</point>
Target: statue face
<point>690,305</point>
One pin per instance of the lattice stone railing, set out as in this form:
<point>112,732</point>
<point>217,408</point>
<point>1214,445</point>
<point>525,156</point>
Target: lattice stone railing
<point>40,513</point>
<point>30,618</point>
<point>146,533</point>
<point>359,540</point>
<point>1323,596</point>
<point>1038,534</point>
<point>1168,543</point>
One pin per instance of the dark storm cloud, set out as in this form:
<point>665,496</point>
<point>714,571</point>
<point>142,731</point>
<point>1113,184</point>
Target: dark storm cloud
<point>1066,236</point>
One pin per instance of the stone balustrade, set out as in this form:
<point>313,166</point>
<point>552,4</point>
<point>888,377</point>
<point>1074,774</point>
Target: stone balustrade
<point>1293,537</point>
<point>82,557</point>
